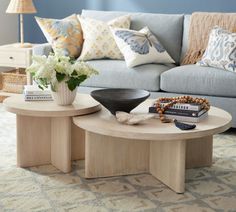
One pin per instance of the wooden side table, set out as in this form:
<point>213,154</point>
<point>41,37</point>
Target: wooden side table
<point>11,56</point>
<point>45,133</point>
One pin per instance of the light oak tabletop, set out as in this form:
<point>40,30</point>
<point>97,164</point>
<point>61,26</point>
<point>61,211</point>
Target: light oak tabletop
<point>83,104</point>
<point>104,123</point>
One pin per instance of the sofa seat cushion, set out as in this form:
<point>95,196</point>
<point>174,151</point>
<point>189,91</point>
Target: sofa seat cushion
<point>192,79</point>
<point>115,74</point>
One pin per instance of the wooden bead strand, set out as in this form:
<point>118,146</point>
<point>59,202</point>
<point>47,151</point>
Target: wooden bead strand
<point>176,100</point>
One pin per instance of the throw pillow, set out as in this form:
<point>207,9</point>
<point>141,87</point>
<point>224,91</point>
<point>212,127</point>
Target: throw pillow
<point>221,50</point>
<point>98,40</point>
<point>64,35</point>
<point>140,47</point>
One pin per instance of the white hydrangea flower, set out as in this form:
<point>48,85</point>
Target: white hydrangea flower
<point>83,68</point>
<point>47,69</point>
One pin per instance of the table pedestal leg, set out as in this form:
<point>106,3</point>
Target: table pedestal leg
<point>33,141</point>
<point>61,143</point>
<point>77,143</point>
<point>109,156</point>
<point>43,141</point>
<point>199,152</point>
<point>167,163</point>
<point>166,160</point>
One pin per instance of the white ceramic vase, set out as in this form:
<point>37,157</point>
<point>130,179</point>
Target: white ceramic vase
<point>63,95</point>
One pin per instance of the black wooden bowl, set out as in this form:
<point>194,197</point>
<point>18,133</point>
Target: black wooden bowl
<point>120,99</point>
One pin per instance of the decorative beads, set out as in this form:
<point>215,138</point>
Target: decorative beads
<point>175,100</point>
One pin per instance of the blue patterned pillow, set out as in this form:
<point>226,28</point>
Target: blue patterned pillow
<point>221,50</point>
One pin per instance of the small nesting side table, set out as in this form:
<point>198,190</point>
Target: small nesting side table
<point>45,132</point>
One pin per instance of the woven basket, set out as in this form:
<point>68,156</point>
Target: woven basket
<point>2,97</point>
<point>14,81</point>
<point>0,81</point>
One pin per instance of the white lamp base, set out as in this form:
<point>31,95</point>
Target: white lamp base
<point>23,45</point>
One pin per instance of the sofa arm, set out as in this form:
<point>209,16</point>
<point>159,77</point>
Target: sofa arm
<point>42,49</point>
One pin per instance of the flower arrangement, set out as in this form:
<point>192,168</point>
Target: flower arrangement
<point>54,69</point>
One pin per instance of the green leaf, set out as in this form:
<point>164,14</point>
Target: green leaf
<point>74,73</point>
<point>81,78</point>
<point>42,82</point>
<point>60,77</point>
<point>41,87</point>
<point>53,88</point>
<point>72,60</point>
<point>72,83</point>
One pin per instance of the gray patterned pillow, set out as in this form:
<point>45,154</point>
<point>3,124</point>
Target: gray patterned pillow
<point>221,50</point>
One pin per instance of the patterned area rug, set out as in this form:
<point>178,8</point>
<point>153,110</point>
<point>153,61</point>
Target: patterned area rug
<point>46,189</point>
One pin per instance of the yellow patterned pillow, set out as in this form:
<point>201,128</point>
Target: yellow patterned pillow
<point>98,39</point>
<point>64,35</point>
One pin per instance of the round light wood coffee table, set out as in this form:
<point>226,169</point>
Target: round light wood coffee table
<point>161,149</point>
<point>45,132</point>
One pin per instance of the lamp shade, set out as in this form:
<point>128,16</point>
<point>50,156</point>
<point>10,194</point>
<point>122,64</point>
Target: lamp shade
<point>21,7</point>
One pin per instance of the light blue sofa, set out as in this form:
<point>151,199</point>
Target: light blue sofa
<point>217,85</point>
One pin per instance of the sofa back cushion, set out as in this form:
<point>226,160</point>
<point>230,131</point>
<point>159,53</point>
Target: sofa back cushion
<point>185,35</point>
<point>167,28</point>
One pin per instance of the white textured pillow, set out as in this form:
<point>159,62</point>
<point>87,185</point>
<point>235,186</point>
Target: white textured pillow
<point>98,40</point>
<point>140,47</point>
<point>221,50</point>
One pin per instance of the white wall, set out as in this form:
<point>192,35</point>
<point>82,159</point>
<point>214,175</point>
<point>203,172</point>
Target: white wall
<point>8,25</point>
